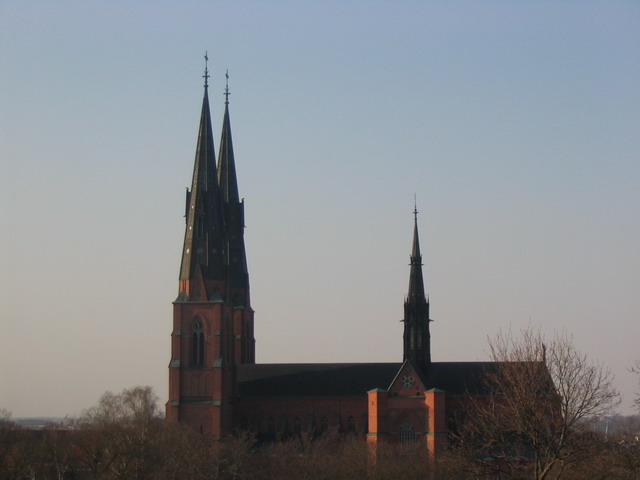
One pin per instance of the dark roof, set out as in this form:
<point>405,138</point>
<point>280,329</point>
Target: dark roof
<point>458,378</point>
<point>350,379</point>
<point>313,379</point>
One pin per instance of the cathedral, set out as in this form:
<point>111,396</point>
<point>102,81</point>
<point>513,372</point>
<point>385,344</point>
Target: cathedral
<point>215,384</point>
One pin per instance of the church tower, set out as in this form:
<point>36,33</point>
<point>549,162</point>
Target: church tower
<point>417,339</point>
<point>212,315</point>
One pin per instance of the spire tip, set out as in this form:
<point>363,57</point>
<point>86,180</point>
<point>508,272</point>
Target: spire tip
<point>206,70</point>
<point>226,88</point>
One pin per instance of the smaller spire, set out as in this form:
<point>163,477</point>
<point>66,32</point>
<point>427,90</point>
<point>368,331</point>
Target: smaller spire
<point>226,88</point>
<point>416,257</point>
<point>206,70</point>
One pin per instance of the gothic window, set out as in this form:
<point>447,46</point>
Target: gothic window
<point>351,425</point>
<point>197,343</point>
<point>412,339</point>
<point>407,432</point>
<point>324,424</point>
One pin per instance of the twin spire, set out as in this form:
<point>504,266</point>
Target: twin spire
<point>213,258</point>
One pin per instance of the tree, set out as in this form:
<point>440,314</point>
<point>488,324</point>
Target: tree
<point>534,422</point>
<point>122,435</point>
<point>636,369</point>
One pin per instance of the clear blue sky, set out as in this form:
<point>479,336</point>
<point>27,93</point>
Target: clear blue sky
<point>516,125</point>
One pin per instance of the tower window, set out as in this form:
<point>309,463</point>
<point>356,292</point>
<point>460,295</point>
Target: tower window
<point>197,343</point>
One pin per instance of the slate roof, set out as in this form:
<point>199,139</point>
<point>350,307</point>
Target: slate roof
<point>313,379</point>
<point>350,379</point>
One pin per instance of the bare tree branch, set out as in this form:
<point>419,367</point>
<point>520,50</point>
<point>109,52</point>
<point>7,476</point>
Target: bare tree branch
<point>542,392</point>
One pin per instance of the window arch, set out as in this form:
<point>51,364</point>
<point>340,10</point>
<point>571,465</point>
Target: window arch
<point>324,425</point>
<point>351,425</point>
<point>407,432</point>
<point>197,343</point>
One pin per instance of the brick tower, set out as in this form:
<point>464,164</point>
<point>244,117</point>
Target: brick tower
<point>212,315</point>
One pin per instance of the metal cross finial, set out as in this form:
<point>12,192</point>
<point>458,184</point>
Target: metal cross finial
<point>415,208</point>
<point>206,70</point>
<point>226,88</point>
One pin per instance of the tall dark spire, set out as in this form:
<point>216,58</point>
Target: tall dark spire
<point>233,209</point>
<point>227,179</point>
<point>416,283</point>
<point>417,339</point>
<point>203,239</point>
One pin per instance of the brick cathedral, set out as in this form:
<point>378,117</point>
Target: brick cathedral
<point>215,384</point>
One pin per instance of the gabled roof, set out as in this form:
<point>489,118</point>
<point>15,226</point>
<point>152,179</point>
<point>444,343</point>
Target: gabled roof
<point>408,367</point>
<point>352,379</point>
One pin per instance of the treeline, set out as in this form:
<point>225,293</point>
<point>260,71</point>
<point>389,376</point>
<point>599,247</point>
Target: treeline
<point>157,450</point>
<point>542,420</point>
<point>124,437</point>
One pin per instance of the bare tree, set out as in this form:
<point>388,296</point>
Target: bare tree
<point>120,437</point>
<point>534,422</point>
<point>636,369</point>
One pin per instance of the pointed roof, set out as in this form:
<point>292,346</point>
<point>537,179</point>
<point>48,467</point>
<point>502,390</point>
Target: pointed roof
<point>227,179</point>
<point>203,208</point>
<point>204,170</point>
<point>416,282</point>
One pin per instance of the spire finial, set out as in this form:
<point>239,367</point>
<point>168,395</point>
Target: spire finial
<point>226,88</point>
<point>206,70</point>
<point>415,208</point>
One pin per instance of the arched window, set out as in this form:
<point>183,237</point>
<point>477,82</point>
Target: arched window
<point>351,425</point>
<point>197,343</point>
<point>271,426</point>
<point>407,432</point>
<point>297,426</point>
<point>324,425</point>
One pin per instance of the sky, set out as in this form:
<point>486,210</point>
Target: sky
<point>514,124</point>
